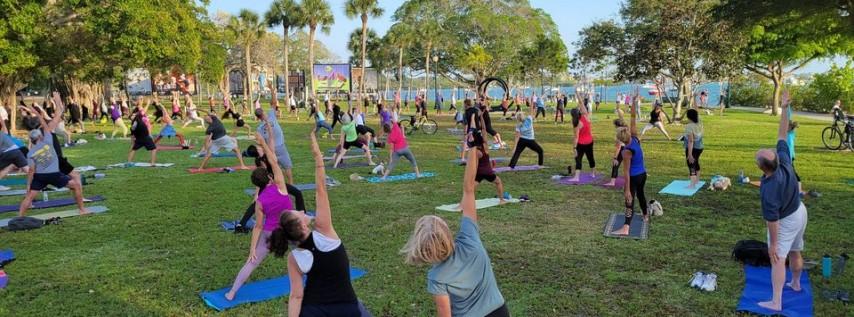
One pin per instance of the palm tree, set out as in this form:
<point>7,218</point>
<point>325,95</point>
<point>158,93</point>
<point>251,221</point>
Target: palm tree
<point>363,9</point>
<point>315,13</point>
<point>247,28</point>
<point>400,35</point>
<point>354,45</point>
<point>286,14</point>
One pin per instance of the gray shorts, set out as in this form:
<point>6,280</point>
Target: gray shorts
<point>284,158</point>
<point>395,157</point>
<point>226,143</point>
<point>790,235</point>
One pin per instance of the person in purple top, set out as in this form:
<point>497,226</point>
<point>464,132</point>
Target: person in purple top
<point>116,116</point>
<point>271,202</point>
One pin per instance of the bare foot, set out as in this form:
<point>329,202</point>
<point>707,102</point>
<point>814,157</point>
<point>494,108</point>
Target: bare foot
<point>501,201</point>
<point>84,212</point>
<point>610,184</point>
<point>622,232</point>
<point>771,306</point>
<point>574,179</point>
<point>229,296</point>
<point>417,175</point>
<point>794,285</point>
<point>243,167</point>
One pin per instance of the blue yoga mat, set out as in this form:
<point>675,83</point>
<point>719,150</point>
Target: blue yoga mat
<point>680,188</point>
<point>757,288</point>
<point>13,181</point>
<point>50,203</point>
<point>229,225</point>
<point>258,291</point>
<point>401,177</point>
<point>6,256</point>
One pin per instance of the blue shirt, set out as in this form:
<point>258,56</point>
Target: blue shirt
<point>277,132</point>
<point>637,167</point>
<point>540,103</point>
<point>466,276</point>
<point>779,192</point>
<point>526,128</point>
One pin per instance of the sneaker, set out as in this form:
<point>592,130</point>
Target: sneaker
<point>697,280</point>
<point>710,283</point>
<point>238,228</point>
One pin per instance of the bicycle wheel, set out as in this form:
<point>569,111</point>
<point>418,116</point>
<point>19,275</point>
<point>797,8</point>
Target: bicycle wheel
<point>429,126</point>
<point>832,138</point>
<point>407,127</point>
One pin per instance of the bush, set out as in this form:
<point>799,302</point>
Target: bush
<point>825,89</point>
<point>750,91</point>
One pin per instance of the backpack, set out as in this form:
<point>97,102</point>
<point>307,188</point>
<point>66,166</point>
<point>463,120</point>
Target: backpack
<point>24,223</point>
<point>751,252</point>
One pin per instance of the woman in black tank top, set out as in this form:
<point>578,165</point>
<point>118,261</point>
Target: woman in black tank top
<point>327,290</point>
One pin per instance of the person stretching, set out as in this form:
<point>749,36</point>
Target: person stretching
<point>118,122</point>
<point>461,279</point>
<point>262,162</point>
<point>176,107</point>
<point>141,135</point>
<point>693,141</point>
<point>399,148</point>
<point>350,138</point>
<point>583,141</point>
<point>271,202</point>
<point>217,138</point>
<point>561,103</point>
<point>192,114</point>
<point>655,120</point>
<point>270,129</point>
<point>525,138</point>
<point>169,131</point>
<point>487,124</point>
<point>619,146</point>
<point>784,213</point>
<point>12,156</point>
<point>320,121</point>
<point>633,169</point>
<point>485,169</point>
<point>318,267</point>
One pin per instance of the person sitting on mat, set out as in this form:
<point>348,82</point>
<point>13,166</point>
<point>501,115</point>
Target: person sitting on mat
<point>168,130</point>
<point>398,148</point>
<point>318,267</point>
<point>271,202</point>
<point>350,138</point>
<point>583,141</point>
<point>525,137</point>
<point>784,213</point>
<point>217,139</point>
<point>461,279</point>
<point>655,120</point>
<point>141,135</point>
<point>45,167</point>
<point>633,169</point>
<point>619,146</point>
<point>270,129</point>
<point>693,141</point>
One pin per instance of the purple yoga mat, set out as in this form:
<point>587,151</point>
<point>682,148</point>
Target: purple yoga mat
<point>50,203</point>
<point>518,168</point>
<point>583,179</point>
<point>619,183</point>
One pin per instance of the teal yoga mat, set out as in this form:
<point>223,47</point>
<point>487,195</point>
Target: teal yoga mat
<point>680,188</point>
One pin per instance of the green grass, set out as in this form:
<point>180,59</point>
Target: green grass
<point>160,244</point>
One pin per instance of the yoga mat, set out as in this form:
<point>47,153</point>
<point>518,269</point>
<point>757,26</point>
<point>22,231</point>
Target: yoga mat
<point>352,150</point>
<point>217,169</point>
<point>680,188</point>
<point>229,225</point>
<point>499,159</point>
<point>400,177</point>
<point>344,164</point>
<point>62,214</point>
<point>218,154</point>
<point>88,168</point>
<point>479,204</point>
<point>6,256</point>
<point>18,192</point>
<point>258,291</point>
<point>13,181</point>
<point>245,137</point>
<point>757,288</point>
<point>851,182</point>
<point>455,131</point>
<point>50,203</point>
<point>637,229</point>
<point>346,157</point>
<point>172,148</point>
<point>619,183</point>
<point>583,179</point>
<point>519,168</point>
<point>139,164</point>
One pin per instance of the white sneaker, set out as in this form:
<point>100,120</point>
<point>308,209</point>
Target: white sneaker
<point>710,283</point>
<point>697,280</point>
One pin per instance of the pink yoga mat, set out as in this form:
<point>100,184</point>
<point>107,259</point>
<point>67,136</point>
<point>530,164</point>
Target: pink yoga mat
<point>171,148</point>
<point>583,179</point>
<point>217,169</point>
<point>519,168</point>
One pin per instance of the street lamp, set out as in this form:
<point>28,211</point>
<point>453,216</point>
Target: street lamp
<point>435,80</point>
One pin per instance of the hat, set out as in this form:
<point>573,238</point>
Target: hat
<point>35,134</point>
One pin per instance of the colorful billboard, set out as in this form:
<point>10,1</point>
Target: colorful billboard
<point>331,78</point>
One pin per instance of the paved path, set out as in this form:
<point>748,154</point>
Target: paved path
<point>810,115</point>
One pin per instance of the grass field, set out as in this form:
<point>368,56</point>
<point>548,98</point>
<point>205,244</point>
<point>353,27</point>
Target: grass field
<point>160,244</point>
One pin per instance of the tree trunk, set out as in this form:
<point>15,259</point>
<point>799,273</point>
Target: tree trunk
<point>427,68</point>
<point>248,90</point>
<point>777,79</point>
<point>287,69</point>
<point>310,81</point>
<point>682,87</point>
<point>400,72</point>
<point>362,63</point>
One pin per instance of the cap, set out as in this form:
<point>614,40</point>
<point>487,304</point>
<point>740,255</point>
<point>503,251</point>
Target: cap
<point>35,134</point>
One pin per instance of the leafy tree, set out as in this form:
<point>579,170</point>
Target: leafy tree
<point>545,56</point>
<point>363,9</point>
<point>247,27</point>
<point>426,16</point>
<point>286,14</point>
<point>400,36</point>
<point>315,13</point>
<point>354,44</point>
<point>21,28</point>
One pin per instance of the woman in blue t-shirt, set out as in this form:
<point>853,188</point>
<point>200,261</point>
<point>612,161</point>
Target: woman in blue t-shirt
<point>633,169</point>
<point>461,279</point>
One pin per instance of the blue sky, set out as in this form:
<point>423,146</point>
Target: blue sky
<point>570,16</point>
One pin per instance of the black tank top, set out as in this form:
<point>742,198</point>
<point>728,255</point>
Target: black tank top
<point>328,281</point>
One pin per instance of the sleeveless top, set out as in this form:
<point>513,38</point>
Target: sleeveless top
<point>484,165</point>
<point>585,136</point>
<point>637,167</point>
<point>273,204</point>
<point>328,281</point>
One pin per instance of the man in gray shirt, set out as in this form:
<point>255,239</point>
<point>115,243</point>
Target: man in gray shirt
<point>271,131</point>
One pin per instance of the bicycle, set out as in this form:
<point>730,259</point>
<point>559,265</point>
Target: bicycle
<point>834,138</point>
<point>428,126</point>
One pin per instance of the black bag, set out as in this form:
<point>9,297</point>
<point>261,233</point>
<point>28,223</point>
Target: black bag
<point>751,252</point>
<point>24,223</point>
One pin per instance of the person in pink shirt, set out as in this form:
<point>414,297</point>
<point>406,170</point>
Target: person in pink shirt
<point>399,148</point>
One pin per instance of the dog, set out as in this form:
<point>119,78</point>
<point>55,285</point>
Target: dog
<point>719,183</point>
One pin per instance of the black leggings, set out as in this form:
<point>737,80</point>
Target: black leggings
<point>500,312</point>
<point>615,169</point>
<point>636,185</point>
<point>299,203</point>
<point>581,150</point>
<point>336,117</point>
<point>487,124</point>
<point>695,167</point>
<point>540,111</point>
<point>521,145</point>
<point>229,113</point>
<point>559,112</point>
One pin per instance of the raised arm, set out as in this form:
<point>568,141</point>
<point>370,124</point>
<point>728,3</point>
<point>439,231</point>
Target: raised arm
<point>60,108</point>
<point>783,130</point>
<point>469,186</point>
<point>633,126</point>
<point>323,218</point>
<point>278,177</point>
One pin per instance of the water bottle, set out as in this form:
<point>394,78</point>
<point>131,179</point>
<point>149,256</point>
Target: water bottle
<point>826,266</point>
<point>99,175</point>
<point>507,196</point>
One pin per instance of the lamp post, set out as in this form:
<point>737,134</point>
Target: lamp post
<point>435,80</point>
